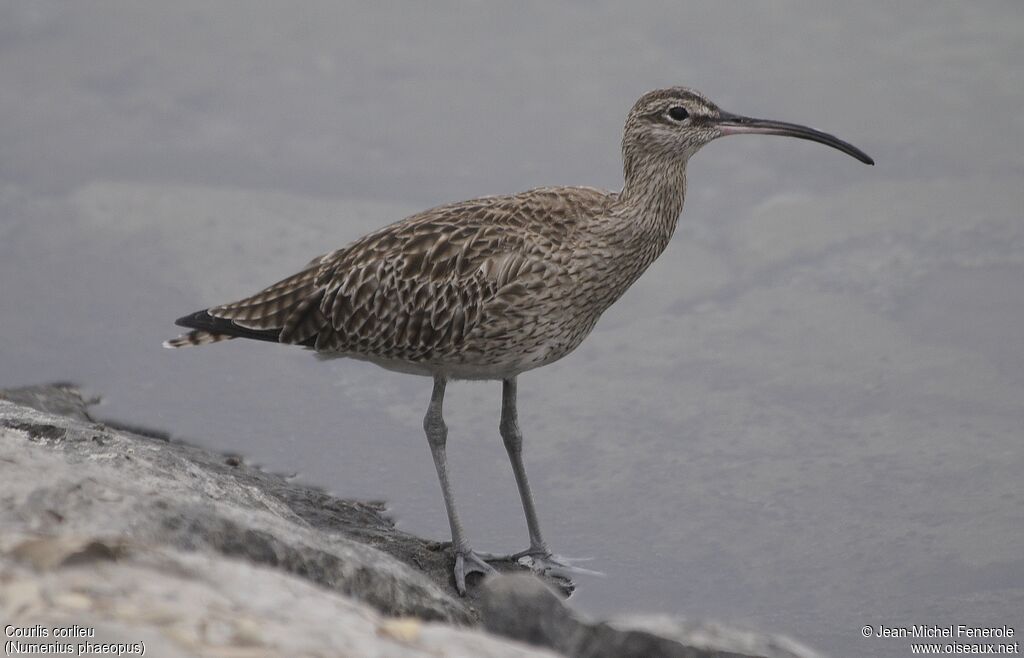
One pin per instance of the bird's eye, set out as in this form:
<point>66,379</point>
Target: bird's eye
<point>678,113</point>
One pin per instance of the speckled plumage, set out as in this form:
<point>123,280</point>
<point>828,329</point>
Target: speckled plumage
<point>480,289</point>
<point>492,287</point>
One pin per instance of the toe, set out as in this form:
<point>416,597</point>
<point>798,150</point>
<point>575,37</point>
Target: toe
<point>467,562</point>
<point>478,564</point>
<point>557,565</point>
<point>460,574</point>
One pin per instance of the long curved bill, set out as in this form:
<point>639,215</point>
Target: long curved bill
<point>734,124</point>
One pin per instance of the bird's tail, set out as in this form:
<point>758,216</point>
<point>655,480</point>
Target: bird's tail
<point>267,315</point>
<point>197,337</point>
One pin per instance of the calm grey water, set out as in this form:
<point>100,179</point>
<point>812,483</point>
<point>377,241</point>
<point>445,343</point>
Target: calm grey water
<point>806,417</point>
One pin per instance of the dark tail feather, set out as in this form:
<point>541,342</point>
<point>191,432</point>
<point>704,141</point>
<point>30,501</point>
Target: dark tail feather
<point>208,329</point>
<point>197,337</point>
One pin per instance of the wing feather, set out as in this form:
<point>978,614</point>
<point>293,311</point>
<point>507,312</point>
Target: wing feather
<point>419,288</point>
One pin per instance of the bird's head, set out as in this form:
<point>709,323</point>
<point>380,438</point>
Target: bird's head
<point>668,126</point>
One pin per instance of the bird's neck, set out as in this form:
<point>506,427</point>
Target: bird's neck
<point>652,197</point>
<point>625,241</point>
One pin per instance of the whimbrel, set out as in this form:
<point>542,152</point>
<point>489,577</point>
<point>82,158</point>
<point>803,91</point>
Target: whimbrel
<point>492,287</point>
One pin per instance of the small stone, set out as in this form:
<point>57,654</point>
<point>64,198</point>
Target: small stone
<point>406,629</point>
<point>73,601</point>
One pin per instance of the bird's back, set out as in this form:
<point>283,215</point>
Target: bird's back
<point>484,288</point>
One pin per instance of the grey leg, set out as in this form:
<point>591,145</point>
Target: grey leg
<point>537,556</point>
<point>437,437</point>
<point>513,439</point>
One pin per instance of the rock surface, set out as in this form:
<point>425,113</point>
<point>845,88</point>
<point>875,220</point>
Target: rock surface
<point>521,607</point>
<point>74,476</point>
<point>192,603</point>
<point>194,553</point>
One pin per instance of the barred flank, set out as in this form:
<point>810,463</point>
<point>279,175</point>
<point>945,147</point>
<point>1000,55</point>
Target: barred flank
<point>198,337</point>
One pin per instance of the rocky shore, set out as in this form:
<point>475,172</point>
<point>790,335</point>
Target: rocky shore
<point>134,539</point>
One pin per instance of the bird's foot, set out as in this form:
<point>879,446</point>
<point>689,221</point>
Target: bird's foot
<point>513,557</point>
<point>556,565</point>
<point>468,561</point>
<point>543,561</point>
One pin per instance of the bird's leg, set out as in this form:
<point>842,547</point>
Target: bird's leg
<point>537,556</point>
<point>466,560</point>
<point>513,439</point>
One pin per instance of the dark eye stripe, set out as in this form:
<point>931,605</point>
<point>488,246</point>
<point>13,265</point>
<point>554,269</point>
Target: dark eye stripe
<point>678,113</point>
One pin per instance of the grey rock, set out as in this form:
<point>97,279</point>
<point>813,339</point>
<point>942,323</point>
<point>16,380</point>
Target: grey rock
<point>148,539</point>
<point>187,603</point>
<point>66,474</point>
<point>61,399</point>
<point>524,608</point>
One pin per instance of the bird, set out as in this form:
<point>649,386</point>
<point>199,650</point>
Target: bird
<point>492,287</point>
